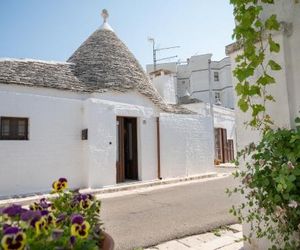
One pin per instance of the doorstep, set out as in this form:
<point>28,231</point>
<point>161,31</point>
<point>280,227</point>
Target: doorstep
<point>126,186</point>
<point>226,165</point>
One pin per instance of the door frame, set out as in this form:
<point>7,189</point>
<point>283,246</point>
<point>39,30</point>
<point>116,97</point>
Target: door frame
<point>120,163</point>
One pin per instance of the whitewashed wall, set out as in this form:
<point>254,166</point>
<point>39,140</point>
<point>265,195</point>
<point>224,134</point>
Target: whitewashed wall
<point>100,117</point>
<point>186,145</point>
<point>54,148</point>
<point>100,158</point>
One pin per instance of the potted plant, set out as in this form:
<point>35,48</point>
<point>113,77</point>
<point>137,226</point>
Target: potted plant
<point>68,220</point>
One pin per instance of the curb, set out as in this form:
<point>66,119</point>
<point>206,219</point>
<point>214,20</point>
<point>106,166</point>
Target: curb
<point>133,186</point>
<point>111,189</point>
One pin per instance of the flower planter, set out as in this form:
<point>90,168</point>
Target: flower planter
<point>108,242</point>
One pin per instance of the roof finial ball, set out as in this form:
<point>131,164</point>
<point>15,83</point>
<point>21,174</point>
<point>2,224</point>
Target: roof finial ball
<point>105,15</point>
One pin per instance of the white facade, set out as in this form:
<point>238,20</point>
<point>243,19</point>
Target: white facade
<point>193,78</point>
<point>55,148</point>
<point>287,88</point>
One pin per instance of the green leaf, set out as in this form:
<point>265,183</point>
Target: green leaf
<point>274,65</point>
<point>243,105</point>
<point>257,108</point>
<point>274,47</point>
<point>272,23</point>
<point>279,188</point>
<point>254,90</point>
<point>239,89</point>
<point>266,80</point>
<point>270,98</point>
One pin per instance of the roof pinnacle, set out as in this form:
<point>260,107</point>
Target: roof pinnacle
<point>105,25</point>
<point>105,15</point>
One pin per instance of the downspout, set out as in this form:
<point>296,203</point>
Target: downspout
<point>211,106</point>
<point>158,148</point>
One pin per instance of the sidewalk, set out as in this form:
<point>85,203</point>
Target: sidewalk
<point>227,238</point>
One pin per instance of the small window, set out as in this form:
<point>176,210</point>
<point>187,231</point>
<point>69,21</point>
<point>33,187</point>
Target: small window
<point>12,128</point>
<point>216,76</point>
<point>218,98</point>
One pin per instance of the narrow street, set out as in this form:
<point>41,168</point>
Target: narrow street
<point>141,219</point>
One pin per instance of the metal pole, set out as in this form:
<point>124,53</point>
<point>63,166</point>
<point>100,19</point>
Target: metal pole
<point>211,106</point>
<point>154,55</point>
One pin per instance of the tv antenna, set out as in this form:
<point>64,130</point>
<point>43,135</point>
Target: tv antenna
<point>154,49</point>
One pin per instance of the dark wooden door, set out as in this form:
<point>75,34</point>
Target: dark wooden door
<point>218,144</point>
<point>127,155</point>
<point>221,145</point>
<point>224,145</point>
<point>131,167</point>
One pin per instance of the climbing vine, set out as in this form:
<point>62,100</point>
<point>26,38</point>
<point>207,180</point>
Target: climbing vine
<point>251,32</point>
<point>270,177</point>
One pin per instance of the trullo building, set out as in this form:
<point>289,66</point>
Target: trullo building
<point>95,119</point>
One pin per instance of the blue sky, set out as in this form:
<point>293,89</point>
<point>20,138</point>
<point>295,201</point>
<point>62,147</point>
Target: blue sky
<point>53,29</point>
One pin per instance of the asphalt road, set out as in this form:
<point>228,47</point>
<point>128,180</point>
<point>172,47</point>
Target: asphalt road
<point>148,218</point>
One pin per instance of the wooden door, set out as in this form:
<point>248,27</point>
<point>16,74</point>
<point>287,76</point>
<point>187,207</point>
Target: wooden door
<point>218,144</point>
<point>131,160</point>
<point>224,145</point>
<point>221,145</point>
<point>127,155</point>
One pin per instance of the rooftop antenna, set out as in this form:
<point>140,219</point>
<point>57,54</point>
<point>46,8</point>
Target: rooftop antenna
<point>154,49</point>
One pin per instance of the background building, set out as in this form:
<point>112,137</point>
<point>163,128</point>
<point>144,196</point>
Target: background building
<point>187,85</point>
<point>192,79</point>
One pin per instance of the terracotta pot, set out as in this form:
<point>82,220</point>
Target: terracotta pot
<point>108,242</point>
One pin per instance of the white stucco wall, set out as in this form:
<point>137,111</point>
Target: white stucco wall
<point>133,104</point>
<point>101,144</point>
<point>54,148</point>
<point>186,145</point>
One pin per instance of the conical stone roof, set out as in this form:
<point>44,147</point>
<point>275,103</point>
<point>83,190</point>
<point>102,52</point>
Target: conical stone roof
<point>104,62</point>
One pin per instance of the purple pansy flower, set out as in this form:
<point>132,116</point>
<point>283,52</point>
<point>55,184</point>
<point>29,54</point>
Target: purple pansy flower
<point>84,200</point>
<point>80,228</point>
<point>77,219</point>
<point>29,215</point>
<point>11,230</point>
<point>13,210</point>
<point>13,238</point>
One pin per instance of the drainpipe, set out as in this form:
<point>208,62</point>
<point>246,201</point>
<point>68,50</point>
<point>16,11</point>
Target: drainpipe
<point>211,106</point>
<point>158,148</point>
